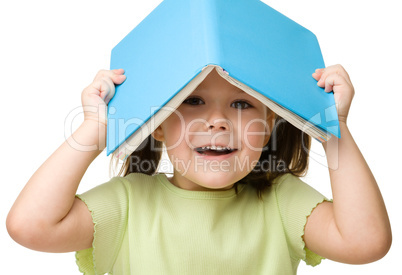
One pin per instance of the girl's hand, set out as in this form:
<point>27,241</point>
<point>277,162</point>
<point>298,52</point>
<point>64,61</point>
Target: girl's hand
<point>336,79</point>
<point>96,96</point>
<point>355,227</point>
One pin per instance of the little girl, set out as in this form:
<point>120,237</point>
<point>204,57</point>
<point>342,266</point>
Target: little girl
<point>225,210</point>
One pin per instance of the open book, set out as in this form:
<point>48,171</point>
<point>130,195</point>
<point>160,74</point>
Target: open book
<point>251,45</point>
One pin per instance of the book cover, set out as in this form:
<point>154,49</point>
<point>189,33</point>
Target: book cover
<point>258,47</point>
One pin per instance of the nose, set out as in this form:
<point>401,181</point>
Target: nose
<point>217,121</point>
<point>220,124</point>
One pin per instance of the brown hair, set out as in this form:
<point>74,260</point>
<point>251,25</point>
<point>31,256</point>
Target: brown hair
<point>287,151</point>
<point>149,152</point>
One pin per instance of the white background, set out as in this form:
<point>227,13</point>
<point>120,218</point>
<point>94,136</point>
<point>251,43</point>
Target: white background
<point>51,50</point>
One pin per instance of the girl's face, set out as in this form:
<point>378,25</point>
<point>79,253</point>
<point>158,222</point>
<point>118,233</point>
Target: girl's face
<point>216,136</point>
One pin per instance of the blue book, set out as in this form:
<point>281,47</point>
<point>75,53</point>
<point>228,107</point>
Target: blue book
<point>251,45</point>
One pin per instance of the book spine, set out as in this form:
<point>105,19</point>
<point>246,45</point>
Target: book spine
<point>206,31</point>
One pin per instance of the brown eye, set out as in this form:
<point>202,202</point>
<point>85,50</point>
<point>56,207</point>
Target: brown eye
<point>194,101</point>
<point>241,104</point>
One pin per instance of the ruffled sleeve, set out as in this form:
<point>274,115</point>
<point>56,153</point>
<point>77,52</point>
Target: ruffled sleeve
<point>296,201</point>
<point>108,204</point>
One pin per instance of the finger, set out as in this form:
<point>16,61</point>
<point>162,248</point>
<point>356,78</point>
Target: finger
<point>336,69</point>
<point>318,73</point>
<point>117,74</point>
<point>101,86</point>
<point>118,79</point>
<point>118,71</point>
<point>115,80</point>
<point>110,91</point>
<point>333,81</point>
<point>105,82</point>
<point>102,73</point>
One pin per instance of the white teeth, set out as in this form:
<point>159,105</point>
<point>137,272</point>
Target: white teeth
<point>216,148</point>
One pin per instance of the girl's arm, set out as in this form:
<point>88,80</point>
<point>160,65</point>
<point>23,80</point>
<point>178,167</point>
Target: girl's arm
<point>46,215</point>
<point>354,228</point>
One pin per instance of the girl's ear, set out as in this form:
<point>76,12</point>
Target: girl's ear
<point>158,134</point>
<point>271,117</point>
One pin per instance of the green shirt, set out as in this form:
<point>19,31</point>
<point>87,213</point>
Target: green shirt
<point>146,225</point>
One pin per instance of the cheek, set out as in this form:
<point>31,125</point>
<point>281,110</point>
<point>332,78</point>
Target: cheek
<point>173,132</point>
<point>254,136</point>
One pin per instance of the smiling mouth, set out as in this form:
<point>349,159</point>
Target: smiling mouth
<point>214,150</point>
